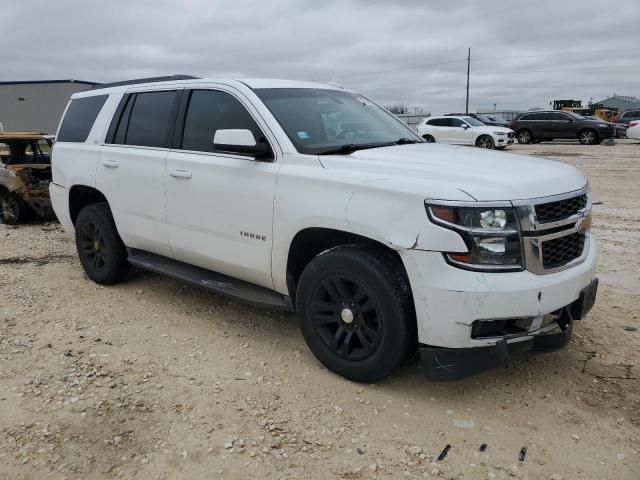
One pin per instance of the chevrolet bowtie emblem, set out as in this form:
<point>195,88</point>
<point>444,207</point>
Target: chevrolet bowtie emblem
<point>583,224</point>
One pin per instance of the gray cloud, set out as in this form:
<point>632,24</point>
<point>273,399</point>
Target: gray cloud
<point>409,52</point>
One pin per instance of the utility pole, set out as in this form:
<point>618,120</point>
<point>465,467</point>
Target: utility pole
<point>468,71</point>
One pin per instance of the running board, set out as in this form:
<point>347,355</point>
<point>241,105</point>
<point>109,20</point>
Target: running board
<point>212,281</point>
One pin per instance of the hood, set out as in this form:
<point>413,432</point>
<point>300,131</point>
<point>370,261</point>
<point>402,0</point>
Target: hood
<point>450,172</point>
<point>492,128</point>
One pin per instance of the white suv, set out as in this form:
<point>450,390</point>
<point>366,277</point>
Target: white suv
<point>464,131</point>
<point>312,198</point>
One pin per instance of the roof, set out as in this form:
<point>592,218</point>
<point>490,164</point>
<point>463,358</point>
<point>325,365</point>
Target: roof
<point>23,135</point>
<point>626,98</point>
<point>252,83</point>
<point>29,82</point>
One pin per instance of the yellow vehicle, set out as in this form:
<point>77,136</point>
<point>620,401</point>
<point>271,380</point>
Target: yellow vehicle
<point>605,114</point>
<point>578,110</point>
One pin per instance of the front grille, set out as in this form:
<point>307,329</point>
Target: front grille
<point>555,211</point>
<point>560,251</point>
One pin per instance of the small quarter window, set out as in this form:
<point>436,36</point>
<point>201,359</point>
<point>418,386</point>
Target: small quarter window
<point>78,120</point>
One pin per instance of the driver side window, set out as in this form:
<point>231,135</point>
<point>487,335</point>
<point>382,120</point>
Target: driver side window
<point>456,122</point>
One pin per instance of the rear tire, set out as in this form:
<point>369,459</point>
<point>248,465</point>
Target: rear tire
<point>485,141</point>
<point>101,251</point>
<point>12,208</point>
<point>356,312</point>
<point>429,138</point>
<point>588,136</point>
<point>524,136</point>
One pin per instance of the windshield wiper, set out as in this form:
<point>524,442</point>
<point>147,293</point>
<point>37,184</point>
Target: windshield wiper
<point>353,147</point>
<point>405,141</point>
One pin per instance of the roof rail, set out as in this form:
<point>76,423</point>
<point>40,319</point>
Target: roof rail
<point>167,78</point>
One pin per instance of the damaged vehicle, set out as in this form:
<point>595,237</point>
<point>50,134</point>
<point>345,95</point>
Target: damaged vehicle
<point>25,174</point>
<point>312,198</point>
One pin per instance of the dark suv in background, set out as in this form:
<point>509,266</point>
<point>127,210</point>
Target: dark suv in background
<point>542,126</point>
<point>495,122</point>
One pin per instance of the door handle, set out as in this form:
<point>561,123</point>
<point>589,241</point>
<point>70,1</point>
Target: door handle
<point>180,174</point>
<point>110,163</point>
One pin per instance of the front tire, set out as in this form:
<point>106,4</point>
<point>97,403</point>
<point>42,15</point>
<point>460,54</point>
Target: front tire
<point>101,251</point>
<point>429,138</point>
<point>356,312</point>
<point>485,141</point>
<point>524,136</point>
<point>588,136</point>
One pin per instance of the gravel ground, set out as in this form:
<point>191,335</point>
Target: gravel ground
<point>154,379</point>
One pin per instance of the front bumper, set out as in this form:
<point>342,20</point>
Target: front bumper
<point>444,364</point>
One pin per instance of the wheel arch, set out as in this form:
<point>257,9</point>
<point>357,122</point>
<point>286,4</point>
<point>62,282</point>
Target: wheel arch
<point>308,243</point>
<point>82,195</point>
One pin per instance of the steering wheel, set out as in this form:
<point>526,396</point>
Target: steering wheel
<point>343,134</point>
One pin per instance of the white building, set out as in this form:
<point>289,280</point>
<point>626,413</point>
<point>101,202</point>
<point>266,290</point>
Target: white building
<point>36,106</point>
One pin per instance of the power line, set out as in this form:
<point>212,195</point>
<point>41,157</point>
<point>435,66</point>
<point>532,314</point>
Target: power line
<point>560,53</point>
<point>414,67</point>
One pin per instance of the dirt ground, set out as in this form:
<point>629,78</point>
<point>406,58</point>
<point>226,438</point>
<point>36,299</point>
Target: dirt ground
<point>152,379</point>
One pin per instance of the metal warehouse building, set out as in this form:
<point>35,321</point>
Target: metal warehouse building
<point>621,102</point>
<point>36,105</point>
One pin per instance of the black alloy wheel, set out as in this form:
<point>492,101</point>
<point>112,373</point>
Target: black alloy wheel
<point>429,139</point>
<point>346,317</point>
<point>91,241</point>
<point>100,248</point>
<point>356,311</point>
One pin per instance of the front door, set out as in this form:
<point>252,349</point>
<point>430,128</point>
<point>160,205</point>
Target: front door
<point>458,134</point>
<point>220,205</point>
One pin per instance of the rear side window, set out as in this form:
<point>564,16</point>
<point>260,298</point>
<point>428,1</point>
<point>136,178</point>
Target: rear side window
<point>150,120</point>
<point>78,120</point>
<point>209,111</point>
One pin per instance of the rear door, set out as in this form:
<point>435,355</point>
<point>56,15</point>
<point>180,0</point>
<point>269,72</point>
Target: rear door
<point>131,169</point>
<point>220,205</point>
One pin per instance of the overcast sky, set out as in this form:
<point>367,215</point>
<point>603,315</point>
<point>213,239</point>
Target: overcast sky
<point>409,52</point>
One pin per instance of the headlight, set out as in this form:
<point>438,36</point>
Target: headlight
<point>500,133</point>
<point>603,125</point>
<point>491,234</point>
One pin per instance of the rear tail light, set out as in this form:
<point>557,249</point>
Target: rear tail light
<point>633,124</point>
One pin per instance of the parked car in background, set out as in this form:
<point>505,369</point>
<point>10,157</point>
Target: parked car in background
<point>381,243</point>
<point>541,126</point>
<point>634,130</point>
<point>25,174</point>
<point>464,130</point>
<point>483,118</point>
<point>628,116</point>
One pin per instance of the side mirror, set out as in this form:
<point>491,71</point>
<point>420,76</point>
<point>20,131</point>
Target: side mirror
<point>240,141</point>
<point>464,125</point>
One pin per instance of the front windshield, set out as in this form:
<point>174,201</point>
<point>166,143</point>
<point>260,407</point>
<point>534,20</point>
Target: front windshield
<point>321,120</point>
<point>473,122</point>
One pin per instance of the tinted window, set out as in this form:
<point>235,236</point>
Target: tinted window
<point>150,119</point>
<point>434,122</point>
<point>81,114</point>
<point>210,111</point>
<point>532,116</point>
<point>455,122</point>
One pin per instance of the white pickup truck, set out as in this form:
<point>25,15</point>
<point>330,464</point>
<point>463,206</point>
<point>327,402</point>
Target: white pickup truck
<point>312,198</point>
